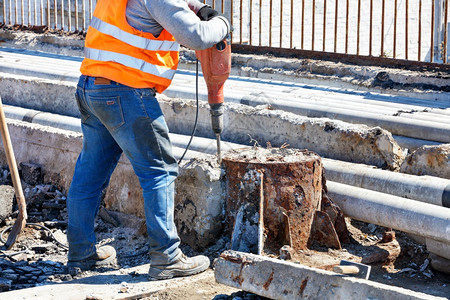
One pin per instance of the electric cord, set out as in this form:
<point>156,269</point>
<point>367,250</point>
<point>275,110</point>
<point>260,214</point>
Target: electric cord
<point>196,113</point>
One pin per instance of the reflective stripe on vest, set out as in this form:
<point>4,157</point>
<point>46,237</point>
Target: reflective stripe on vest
<point>129,61</point>
<point>133,40</point>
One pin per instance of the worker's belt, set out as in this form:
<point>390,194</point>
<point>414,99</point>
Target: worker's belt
<point>102,81</point>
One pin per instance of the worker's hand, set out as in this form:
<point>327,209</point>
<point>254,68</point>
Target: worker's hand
<point>206,13</point>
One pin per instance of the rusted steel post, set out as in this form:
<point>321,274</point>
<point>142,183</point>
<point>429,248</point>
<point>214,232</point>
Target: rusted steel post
<point>260,22</point>
<point>336,7</point>
<point>346,26</point>
<point>292,24</point>
<point>281,23</point>
<point>291,186</point>
<point>359,27</point>
<point>371,28</point>
<point>432,32</point>
<point>303,24</point>
<point>270,22</point>
<point>324,33</point>
<point>445,31</point>
<point>383,13</point>
<point>241,14</point>
<point>55,13</point>
<point>313,24</point>
<point>395,29</point>
<point>419,43</point>
<point>251,23</point>
<point>406,28</point>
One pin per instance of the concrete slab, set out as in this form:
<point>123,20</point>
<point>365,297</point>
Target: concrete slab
<point>277,279</point>
<point>129,283</point>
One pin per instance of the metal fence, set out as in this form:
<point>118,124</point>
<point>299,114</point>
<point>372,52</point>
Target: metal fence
<point>416,30</point>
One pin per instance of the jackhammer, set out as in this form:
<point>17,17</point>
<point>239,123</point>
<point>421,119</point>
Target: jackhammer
<point>216,66</point>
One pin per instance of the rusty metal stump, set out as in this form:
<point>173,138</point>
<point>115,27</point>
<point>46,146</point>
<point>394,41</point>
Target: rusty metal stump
<point>283,185</point>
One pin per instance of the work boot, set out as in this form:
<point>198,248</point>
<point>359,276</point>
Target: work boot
<point>103,256</point>
<point>182,266</point>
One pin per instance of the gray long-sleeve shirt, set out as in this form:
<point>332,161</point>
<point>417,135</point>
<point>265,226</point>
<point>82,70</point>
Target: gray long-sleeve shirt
<point>179,18</point>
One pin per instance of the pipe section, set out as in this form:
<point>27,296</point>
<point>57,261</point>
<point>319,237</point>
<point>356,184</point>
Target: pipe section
<point>428,189</point>
<point>391,211</point>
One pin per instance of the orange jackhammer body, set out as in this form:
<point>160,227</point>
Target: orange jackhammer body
<point>216,67</point>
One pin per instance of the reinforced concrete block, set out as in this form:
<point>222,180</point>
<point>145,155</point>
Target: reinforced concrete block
<point>199,202</point>
<point>277,279</point>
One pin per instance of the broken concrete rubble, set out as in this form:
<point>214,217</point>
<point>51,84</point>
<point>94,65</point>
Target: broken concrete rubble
<point>429,160</point>
<point>199,202</point>
<point>6,201</point>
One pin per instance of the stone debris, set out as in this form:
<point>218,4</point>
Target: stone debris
<point>429,160</point>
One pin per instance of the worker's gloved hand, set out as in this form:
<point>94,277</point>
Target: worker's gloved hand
<point>206,13</point>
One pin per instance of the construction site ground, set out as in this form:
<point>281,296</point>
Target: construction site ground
<point>37,269</point>
<point>408,267</point>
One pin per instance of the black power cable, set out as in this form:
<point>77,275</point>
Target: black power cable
<point>196,113</point>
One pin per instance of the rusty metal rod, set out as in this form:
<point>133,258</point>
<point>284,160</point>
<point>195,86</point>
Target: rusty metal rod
<point>240,21</point>
<point>336,7</point>
<point>35,12</point>
<point>69,12</point>
<point>83,8</point>
<point>10,12</point>
<point>292,24</point>
<point>281,23</point>
<point>359,27</point>
<point>62,15</point>
<point>76,16</point>
<point>445,31</point>
<point>90,11</point>
<point>260,22</point>
<point>4,13</point>
<point>303,25</point>
<point>29,12</point>
<point>383,13</point>
<point>223,6</point>
<point>420,32</point>
<point>406,27</point>
<point>395,29</point>
<point>55,16</point>
<point>371,28</point>
<point>313,24</point>
<point>42,12</point>
<point>15,12</point>
<point>346,26</point>
<point>432,32</point>
<point>22,12</point>
<point>324,33</point>
<point>270,23</point>
<point>251,23</point>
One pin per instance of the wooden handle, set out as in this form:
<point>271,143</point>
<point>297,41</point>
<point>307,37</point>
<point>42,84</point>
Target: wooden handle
<point>12,163</point>
<point>346,269</point>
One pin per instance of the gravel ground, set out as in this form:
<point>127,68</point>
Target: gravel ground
<point>39,255</point>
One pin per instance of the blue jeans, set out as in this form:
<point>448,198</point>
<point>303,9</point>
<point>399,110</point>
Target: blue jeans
<point>116,118</point>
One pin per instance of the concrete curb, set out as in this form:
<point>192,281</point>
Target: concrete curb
<point>277,279</point>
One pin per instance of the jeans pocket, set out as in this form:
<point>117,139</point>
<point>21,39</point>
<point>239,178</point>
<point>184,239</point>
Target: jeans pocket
<point>109,110</point>
<point>83,112</point>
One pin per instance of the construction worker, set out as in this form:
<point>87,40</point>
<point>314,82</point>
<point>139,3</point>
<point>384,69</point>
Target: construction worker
<point>131,53</point>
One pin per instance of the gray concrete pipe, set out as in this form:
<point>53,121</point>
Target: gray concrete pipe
<point>420,129</point>
<point>390,211</point>
<point>428,189</point>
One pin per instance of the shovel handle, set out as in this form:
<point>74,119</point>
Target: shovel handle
<point>12,163</point>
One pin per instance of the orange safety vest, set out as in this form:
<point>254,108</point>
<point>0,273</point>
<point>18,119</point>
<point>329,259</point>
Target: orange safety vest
<point>119,52</point>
